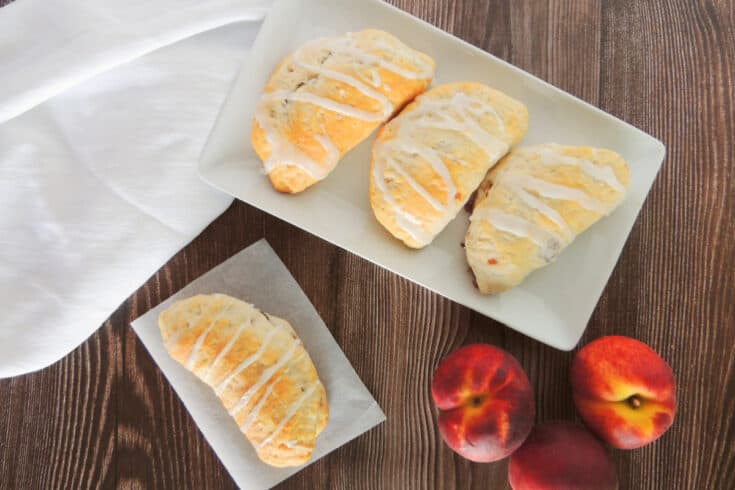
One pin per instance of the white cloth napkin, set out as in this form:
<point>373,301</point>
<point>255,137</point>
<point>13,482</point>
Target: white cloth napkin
<point>98,185</point>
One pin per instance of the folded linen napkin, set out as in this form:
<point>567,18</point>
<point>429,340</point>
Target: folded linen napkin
<point>98,184</point>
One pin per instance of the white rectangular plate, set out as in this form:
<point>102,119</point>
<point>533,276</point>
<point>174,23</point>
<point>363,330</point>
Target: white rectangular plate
<point>554,304</point>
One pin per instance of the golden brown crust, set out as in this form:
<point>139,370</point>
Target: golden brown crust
<point>258,368</point>
<point>533,204</point>
<point>430,158</point>
<point>306,81</point>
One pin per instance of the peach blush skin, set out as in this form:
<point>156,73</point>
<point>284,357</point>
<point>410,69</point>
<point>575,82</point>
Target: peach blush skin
<point>624,391</point>
<point>485,401</point>
<point>561,455</point>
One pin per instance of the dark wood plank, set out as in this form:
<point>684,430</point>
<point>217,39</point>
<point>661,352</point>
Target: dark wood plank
<point>58,425</point>
<point>674,287</point>
<point>105,416</point>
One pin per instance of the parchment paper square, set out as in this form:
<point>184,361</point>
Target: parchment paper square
<point>258,276</point>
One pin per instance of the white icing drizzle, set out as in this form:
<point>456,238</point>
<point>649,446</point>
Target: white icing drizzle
<point>479,109</point>
<point>386,106</point>
<point>552,155</point>
<point>298,448</point>
<point>295,406</point>
<point>407,221</point>
<point>329,147</point>
<point>347,45</point>
<point>464,106</point>
<point>284,152</point>
<point>437,165</point>
<point>258,406</point>
<point>603,174</point>
<point>198,342</point>
<point>478,244</point>
<point>228,346</point>
<point>555,191</point>
<point>517,226</point>
<point>375,79</point>
<point>247,361</point>
<point>264,377</point>
<point>329,104</point>
<point>552,214</point>
<point>455,114</point>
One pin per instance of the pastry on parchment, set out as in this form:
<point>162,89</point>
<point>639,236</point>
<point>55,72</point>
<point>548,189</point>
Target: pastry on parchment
<point>533,204</point>
<point>429,159</point>
<point>329,95</point>
<point>258,368</point>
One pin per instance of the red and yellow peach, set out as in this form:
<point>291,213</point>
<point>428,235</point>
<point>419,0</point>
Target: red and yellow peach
<point>624,392</point>
<point>485,401</point>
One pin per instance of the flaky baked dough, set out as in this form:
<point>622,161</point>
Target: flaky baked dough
<point>533,204</point>
<point>258,368</point>
<point>329,95</point>
<point>429,159</point>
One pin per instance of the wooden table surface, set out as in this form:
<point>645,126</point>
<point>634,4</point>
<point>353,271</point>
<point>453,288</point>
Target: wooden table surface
<point>104,416</point>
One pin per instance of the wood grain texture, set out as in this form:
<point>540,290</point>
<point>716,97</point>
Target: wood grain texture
<point>104,417</point>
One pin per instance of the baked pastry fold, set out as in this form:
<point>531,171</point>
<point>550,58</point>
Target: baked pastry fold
<point>329,95</point>
<point>429,159</point>
<point>258,368</point>
<point>533,204</point>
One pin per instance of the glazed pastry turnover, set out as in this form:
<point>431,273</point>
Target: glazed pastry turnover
<point>429,159</point>
<point>533,204</point>
<point>329,95</point>
<point>258,368</point>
